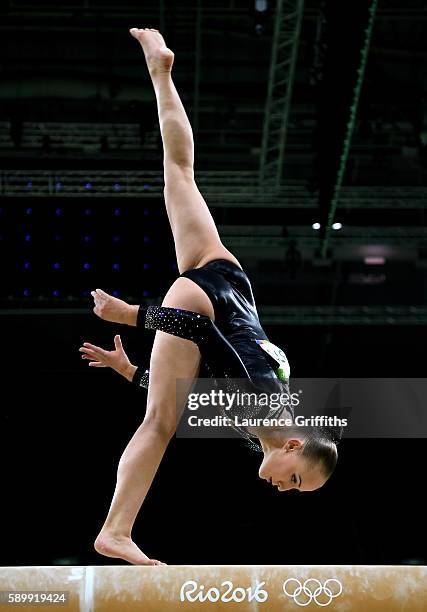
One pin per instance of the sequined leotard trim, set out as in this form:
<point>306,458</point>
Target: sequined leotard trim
<point>223,358</point>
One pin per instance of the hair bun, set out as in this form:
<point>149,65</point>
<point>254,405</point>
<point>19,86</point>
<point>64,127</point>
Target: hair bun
<point>333,433</point>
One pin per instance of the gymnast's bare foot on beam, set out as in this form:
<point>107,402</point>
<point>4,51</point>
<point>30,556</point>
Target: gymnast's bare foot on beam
<point>122,547</point>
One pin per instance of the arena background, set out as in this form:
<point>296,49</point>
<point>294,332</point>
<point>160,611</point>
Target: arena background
<point>333,130</point>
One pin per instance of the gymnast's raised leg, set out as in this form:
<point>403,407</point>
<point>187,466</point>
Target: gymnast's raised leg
<point>196,242</point>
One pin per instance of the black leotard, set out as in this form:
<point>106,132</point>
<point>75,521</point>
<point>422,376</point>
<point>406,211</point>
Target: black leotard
<point>230,292</point>
<point>234,346</point>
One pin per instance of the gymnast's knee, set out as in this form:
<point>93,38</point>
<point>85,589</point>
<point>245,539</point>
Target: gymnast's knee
<point>177,172</point>
<point>160,422</point>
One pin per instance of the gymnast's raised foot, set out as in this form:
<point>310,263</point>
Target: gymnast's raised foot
<point>122,547</point>
<point>158,57</point>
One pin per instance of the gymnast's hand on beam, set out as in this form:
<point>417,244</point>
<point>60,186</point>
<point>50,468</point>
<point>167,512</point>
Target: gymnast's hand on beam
<point>110,308</point>
<point>116,360</point>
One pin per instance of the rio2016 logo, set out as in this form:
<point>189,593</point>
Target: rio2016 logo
<point>192,591</point>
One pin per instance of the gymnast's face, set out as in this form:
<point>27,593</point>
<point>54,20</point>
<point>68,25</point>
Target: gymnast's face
<point>285,468</point>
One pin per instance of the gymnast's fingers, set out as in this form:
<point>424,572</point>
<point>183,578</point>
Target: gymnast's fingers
<point>98,299</point>
<point>93,347</point>
<point>101,294</point>
<point>92,355</point>
<point>91,358</point>
<point>87,351</point>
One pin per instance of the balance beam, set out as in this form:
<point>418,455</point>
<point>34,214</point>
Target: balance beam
<point>269,588</point>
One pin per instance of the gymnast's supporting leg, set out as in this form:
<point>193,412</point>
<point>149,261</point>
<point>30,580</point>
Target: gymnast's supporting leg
<point>171,358</point>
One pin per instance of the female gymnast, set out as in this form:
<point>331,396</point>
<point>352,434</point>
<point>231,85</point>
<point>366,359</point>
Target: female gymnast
<point>208,316</point>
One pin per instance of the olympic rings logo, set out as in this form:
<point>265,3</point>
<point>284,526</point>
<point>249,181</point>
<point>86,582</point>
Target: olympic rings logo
<point>303,595</point>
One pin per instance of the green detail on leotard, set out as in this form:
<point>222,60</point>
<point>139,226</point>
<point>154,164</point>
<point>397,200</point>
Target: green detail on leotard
<point>283,369</point>
<point>281,374</point>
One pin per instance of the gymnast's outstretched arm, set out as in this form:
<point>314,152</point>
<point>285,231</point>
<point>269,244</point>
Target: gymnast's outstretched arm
<point>191,325</point>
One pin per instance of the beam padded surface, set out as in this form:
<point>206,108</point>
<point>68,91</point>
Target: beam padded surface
<point>243,588</point>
